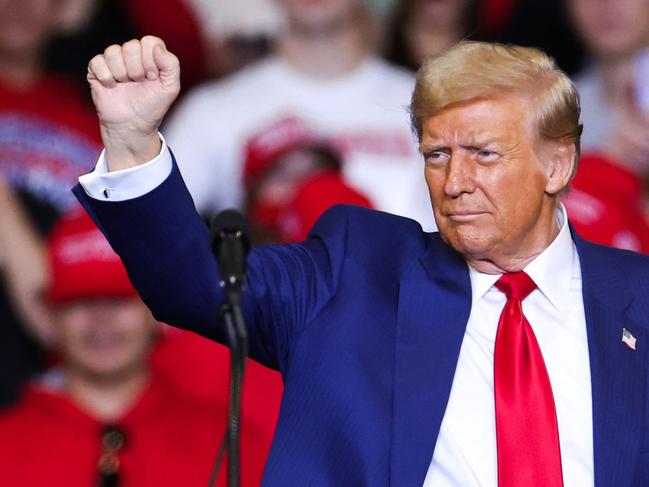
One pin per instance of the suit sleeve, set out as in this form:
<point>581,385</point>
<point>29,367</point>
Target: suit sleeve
<point>164,245</point>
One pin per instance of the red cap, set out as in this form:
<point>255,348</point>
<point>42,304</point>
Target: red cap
<point>265,147</point>
<point>311,200</point>
<point>82,263</point>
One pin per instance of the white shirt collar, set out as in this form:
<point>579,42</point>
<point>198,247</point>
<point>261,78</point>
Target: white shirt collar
<point>551,270</point>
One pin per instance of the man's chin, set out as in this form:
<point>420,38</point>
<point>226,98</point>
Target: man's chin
<point>472,248</point>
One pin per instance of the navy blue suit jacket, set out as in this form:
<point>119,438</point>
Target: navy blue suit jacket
<point>365,320</point>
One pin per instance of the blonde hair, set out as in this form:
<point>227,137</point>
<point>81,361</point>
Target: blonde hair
<point>473,70</point>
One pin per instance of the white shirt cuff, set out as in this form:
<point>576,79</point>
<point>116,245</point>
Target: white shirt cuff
<point>129,183</point>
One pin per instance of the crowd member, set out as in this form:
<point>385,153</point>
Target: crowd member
<point>48,134</point>
<point>607,203</point>
<point>105,416</point>
<point>323,73</point>
<point>199,366</point>
<point>234,37</point>
<point>421,29</point>
<point>616,35</point>
<point>48,137</point>
<point>453,358</point>
<point>291,177</point>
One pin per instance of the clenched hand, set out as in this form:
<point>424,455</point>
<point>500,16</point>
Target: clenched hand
<point>133,86</point>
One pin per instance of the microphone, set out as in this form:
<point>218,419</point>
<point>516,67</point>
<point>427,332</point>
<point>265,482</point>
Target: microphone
<point>230,245</point>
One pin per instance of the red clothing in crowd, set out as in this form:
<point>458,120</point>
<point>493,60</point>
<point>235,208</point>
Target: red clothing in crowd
<point>48,138</point>
<point>200,367</point>
<point>170,439</point>
<point>605,204</point>
<point>312,198</point>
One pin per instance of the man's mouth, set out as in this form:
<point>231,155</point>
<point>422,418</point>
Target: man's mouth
<point>464,215</point>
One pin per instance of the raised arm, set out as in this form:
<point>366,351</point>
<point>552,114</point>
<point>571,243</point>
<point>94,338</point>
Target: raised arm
<point>161,239</point>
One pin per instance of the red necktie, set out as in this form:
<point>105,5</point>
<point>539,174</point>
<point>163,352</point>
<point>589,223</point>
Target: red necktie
<point>526,421</point>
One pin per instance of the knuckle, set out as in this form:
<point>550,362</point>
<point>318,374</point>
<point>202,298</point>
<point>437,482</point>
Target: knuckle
<point>96,60</point>
<point>131,46</point>
<point>151,41</point>
<point>113,51</point>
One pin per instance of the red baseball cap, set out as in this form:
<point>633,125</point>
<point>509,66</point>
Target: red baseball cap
<point>82,263</point>
<point>264,148</point>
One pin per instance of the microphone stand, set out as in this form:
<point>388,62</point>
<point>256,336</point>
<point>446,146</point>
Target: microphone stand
<point>230,246</point>
<point>232,317</point>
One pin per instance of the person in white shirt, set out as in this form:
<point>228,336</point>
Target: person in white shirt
<point>502,351</point>
<point>324,73</point>
<point>612,86</point>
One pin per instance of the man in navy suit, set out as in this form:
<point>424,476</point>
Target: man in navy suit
<point>503,350</point>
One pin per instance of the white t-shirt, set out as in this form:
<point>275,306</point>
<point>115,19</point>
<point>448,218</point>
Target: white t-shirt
<point>364,113</point>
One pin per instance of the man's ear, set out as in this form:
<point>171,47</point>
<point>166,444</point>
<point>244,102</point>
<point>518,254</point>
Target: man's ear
<point>559,165</point>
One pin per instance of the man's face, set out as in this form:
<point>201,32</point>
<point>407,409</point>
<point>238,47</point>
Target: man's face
<point>444,13</point>
<point>106,339</point>
<point>25,26</point>
<point>612,27</point>
<point>291,170</point>
<point>486,182</point>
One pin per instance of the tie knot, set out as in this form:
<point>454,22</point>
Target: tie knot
<point>516,285</point>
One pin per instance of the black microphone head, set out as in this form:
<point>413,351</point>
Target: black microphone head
<point>230,245</point>
<point>230,224</point>
<point>229,221</point>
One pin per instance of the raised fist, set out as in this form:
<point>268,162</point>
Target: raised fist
<point>133,86</point>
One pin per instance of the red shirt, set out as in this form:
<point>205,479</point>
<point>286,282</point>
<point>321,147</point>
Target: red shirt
<point>605,205</point>
<point>171,439</point>
<point>200,367</point>
<point>49,136</point>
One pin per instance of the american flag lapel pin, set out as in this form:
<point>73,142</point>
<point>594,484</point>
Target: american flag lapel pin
<point>628,339</point>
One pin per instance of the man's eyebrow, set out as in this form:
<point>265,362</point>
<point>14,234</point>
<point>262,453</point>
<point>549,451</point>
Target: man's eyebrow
<point>469,143</point>
<point>427,148</point>
<point>478,142</point>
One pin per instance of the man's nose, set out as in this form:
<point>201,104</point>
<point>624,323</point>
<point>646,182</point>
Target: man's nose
<point>460,175</point>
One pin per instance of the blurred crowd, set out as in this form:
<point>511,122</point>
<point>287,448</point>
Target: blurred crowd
<point>287,107</point>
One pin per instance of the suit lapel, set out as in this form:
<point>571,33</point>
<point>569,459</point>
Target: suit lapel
<point>617,372</point>
<point>434,307</point>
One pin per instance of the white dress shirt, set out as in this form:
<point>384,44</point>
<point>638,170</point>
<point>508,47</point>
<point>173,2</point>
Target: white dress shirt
<point>127,183</point>
<point>465,452</point>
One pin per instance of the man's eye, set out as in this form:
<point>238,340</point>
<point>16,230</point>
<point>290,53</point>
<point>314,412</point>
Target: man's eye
<point>436,157</point>
<point>487,155</point>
